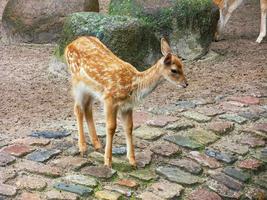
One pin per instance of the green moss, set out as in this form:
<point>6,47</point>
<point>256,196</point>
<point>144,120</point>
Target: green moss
<point>179,20</point>
<point>127,37</point>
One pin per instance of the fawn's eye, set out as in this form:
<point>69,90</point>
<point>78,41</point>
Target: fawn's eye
<point>174,71</point>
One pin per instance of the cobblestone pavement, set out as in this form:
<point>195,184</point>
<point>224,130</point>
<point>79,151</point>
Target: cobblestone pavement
<point>213,149</point>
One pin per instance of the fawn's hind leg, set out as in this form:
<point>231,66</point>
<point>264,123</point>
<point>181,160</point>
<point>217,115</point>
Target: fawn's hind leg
<point>111,124</point>
<point>78,110</point>
<point>90,123</point>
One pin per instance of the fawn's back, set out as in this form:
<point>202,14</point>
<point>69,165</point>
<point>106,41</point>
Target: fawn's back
<point>94,65</point>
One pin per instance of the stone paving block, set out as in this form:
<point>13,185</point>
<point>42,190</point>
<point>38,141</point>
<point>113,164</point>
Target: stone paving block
<point>17,150</point>
<point>261,154</point>
<point>196,116</point>
<point>203,194</point>
<point>31,183</point>
<point>183,141</point>
<point>202,101</point>
<point>81,180</point>
<point>252,141</point>
<point>234,118</point>
<point>261,127</point>
<point>6,159</point>
<point>127,183</point>
<point>227,144</point>
<point>165,149</point>
<point>107,195</point>
<point>72,151</point>
<point>119,150</point>
<point>60,195</point>
<point>228,181</point>
<point>187,165</point>
<point>70,162</point>
<point>96,156</point>
<point>176,175</point>
<point>236,103</point>
<point>144,174</point>
<point>222,156</point>
<point>253,193</point>
<point>252,164</point>
<point>7,190</point>
<point>237,174</point>
<point>143,158</point>
<point>32,141</point>
<point>261,180</point>
<point>169,109</point>
<point>204,160</point>
<point>181,104</point>
<point>249,100</point>
<point>140,118</point>
<point>119,189</point>
<point>165,189</point>
<point>38,168</point>
<point>98,171</point>
<point>50,134</point>
<point>148,196</point>
<point>179,125</point>
<point>29,196</point>
<point>77,189</point>
<point>210,111</point>
<point>222,190</point>
<point>6,174</point>
<point>231,107</point>
<point>202,136</point>
<point>148,133</point>
<point>252,116</point>
<point>42,155</point>
<point>221,128</point>
<point>161,121</point>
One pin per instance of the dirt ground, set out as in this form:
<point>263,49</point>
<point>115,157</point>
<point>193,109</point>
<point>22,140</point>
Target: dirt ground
<point>31,99</point>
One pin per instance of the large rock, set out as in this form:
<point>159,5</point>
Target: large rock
<point>40,21</point>
<point>124,36</point>
<point>188,24</point>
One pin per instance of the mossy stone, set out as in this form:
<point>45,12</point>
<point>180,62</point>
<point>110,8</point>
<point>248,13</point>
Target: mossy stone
<point>188,24</point>
<point>126,37</point>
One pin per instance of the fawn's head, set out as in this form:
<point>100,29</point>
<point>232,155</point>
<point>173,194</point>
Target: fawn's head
<point>172,66</point>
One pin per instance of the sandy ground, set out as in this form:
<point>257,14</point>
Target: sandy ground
<point>31,99</point>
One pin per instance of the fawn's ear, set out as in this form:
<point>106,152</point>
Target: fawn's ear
<point>165,47</point>
<point>168,59</point>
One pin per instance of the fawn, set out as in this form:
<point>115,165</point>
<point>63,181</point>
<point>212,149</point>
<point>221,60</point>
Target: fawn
<point>228,6</point>
<point>98,74</point>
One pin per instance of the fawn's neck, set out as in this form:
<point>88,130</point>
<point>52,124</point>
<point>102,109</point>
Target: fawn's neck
<point>147,81</point>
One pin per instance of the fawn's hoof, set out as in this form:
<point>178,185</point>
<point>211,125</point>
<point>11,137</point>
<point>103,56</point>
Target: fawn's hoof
<point>133,163</point>
<point>108,164</point>
<point>83,149</point>
<point>97,146</point>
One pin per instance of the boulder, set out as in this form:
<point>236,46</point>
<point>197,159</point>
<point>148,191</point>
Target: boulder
<point>126,37</point>
<point>40,21</point>
<point>188,24</point>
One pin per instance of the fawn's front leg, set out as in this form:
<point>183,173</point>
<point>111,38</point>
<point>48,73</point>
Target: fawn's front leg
<point>79,116</point>
<point>127,118</point>
<point>263,21</point>
<point>111,123</point>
